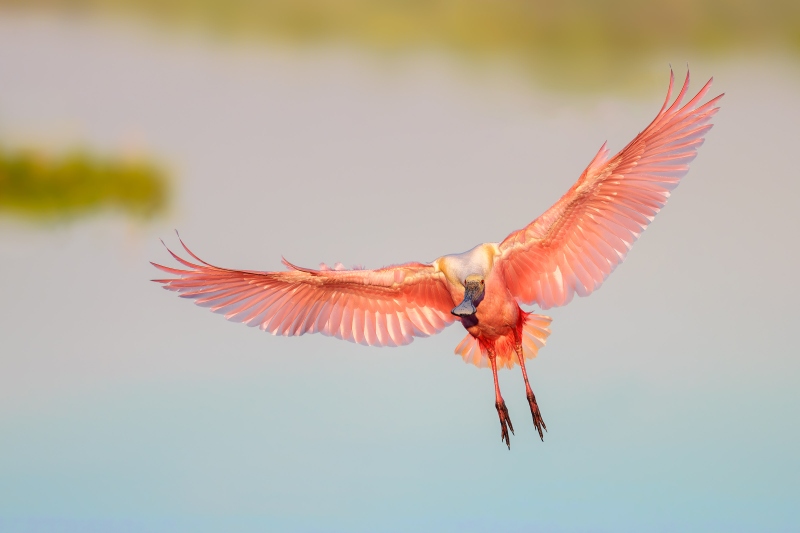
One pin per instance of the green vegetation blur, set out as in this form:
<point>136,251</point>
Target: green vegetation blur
<point>571,43</point>
<point>38,187</point>
<point>578,45</point>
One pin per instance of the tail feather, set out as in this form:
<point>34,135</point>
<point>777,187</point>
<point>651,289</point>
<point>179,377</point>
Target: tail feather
<point>535,330</point>
<point>470,350</point>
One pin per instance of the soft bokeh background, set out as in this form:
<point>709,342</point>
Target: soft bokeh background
<point>358,132</point>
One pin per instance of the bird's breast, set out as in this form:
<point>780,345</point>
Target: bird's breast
<point>496,314</point>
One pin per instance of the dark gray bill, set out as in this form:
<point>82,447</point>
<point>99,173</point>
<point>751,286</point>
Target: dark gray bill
<point>472,292</point>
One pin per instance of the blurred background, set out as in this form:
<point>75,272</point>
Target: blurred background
<point>345,131</point>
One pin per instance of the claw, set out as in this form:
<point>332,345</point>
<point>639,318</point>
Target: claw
<point>538,421</point>
<point>505,422</point>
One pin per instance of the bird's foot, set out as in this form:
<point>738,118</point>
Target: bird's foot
<point>505,422</point>
<point>538,421</point>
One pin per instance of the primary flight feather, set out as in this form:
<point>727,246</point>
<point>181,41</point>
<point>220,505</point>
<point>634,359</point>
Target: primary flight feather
<point>570,249</point>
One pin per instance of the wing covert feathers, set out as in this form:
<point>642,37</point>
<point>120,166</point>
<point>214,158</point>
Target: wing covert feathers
<point>579,241</point>
<point>385,307</point>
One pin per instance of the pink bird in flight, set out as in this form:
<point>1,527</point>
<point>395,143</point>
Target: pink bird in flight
<point>570,249</point>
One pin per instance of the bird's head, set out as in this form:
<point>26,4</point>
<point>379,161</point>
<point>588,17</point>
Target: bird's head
<point>474,288</point>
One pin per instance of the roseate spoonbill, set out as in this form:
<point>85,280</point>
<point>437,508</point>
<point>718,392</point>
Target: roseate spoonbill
<point>568,250</point>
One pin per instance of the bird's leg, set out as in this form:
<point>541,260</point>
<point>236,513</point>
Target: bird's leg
<point>500,405</point>
<point>537,415</point>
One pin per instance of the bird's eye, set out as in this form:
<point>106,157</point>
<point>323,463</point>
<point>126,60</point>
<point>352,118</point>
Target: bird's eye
<point>481,282</point>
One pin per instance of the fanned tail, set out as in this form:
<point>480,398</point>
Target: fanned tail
<point>469,349</point>
<point>535,330</point>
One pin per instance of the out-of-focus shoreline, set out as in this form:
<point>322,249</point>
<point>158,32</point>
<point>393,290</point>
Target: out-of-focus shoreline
<point>580,44</point>
<point>36,186</point>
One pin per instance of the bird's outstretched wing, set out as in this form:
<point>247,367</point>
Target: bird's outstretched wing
<point>579,241</point>
<point>385,307</point>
